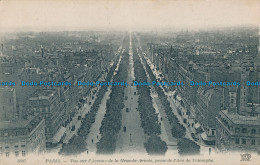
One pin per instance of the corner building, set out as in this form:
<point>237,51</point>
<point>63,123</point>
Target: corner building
<point>18,138</point>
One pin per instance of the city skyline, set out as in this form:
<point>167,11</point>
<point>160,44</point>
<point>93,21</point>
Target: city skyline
<point>27,15</point>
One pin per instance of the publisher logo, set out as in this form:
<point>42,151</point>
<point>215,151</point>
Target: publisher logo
<point>245,157</point>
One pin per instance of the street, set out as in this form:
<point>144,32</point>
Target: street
<point>133,139</point>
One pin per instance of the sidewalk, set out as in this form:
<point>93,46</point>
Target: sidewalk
<point>94,135</point>
<point>165,125</point>
<point>174,104</point>
<point>81,112</point>
<point>77,123</point>
<point>189,129</point>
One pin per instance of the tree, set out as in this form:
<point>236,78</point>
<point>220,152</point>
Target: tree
<point>178,130</point>
<point>111,122</point>
<point>188,147</point>
<point>106,145</point>
<point>155,146</point>
<point>75,146</point>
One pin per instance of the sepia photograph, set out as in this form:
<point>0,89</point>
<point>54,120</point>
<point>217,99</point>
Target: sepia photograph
<point>134,82</point>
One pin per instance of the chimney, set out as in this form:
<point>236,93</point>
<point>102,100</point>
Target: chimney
<point>42,53</point>
<point>232,101</point>
<point>2,49</point>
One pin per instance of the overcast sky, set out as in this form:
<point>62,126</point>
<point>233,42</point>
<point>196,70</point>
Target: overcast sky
<point>76,14</point>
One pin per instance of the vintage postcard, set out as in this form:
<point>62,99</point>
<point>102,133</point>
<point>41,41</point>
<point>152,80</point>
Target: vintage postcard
<point>129,82</point>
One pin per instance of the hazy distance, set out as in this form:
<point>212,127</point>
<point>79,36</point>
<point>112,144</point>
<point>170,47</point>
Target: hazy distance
<point>57,15</point>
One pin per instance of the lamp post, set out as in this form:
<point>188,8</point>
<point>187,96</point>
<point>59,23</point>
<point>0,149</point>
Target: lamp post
<point>131,139</point>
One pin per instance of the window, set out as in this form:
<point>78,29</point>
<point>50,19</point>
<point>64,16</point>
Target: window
<point>253,142</point>
<point>7,154</point>
<point>237,130</point>
<point>244,130</point>
<point>23,153</point>
<point>237,140</point>
<point>6,147</point>
<point>253,131</point>
<point>16,146</point>
<point>243,141</point>
<point>213,133</point>
<point>23,145</point>
<point>16,153</point>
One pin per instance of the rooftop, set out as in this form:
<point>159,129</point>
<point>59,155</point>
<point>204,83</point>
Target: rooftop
<point>239,119</point>
<point>43,94</point>
<point>22,123</point>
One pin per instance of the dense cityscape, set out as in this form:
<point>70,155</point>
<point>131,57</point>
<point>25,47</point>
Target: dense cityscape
<point>186,92</point>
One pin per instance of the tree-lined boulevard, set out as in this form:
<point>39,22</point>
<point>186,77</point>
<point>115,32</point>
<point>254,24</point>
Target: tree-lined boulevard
<point>130,118</point>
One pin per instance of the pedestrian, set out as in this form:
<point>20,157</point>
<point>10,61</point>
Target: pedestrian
<point>92,140</point>
<point>97,136</point>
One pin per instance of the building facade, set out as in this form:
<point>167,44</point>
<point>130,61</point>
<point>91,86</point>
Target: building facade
<point>237,133</point>
<point>7,104</point>
<point>22,137</point>
<point>47,103</point>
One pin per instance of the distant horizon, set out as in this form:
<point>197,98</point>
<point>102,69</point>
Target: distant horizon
<point>78,15</point>
<point>148,29</point>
